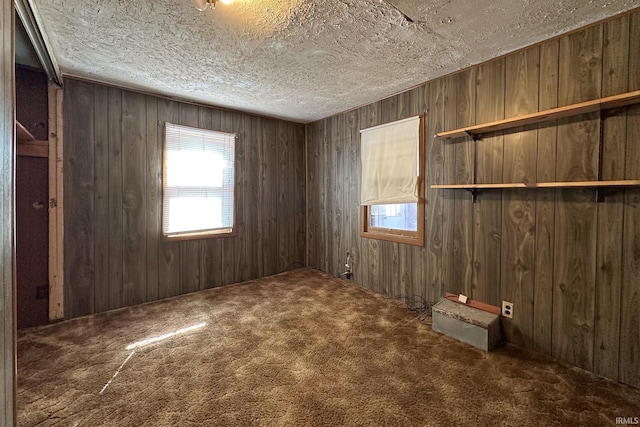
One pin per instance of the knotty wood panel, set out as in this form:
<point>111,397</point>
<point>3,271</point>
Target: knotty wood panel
<point>555,252</point>
<point>615,63</point>
<point>518,225</point>
<point>79,209</point>
<point>441,115</point>
<point>576,214</point>
<point>629,369</point>
<point>134,272</point>
<point>101,240</point>
<point>114,254</point>
<point>487,215</point>
<point>115,226</point>
<point>7,158</point>
<point>465,96</point>
<point>153,177</point>
<point>545,202</point>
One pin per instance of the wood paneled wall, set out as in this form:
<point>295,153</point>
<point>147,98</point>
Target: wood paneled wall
<point>114,255</point>
<point>570,265</point>
<point>7,183</point>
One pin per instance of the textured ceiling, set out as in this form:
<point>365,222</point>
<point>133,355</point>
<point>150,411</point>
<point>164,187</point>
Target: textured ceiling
<point>296,59</point>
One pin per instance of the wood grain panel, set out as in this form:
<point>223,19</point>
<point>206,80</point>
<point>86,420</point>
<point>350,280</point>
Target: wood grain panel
<point>545,202</point>
<point>487,215</point>
<point>629,368</point>
<point>353,201</point>
<point>79,211</point>
<point>268,158</point>
<point>153,188</point>
<point>518,225</point>
<point>313,192</point>
<point>297,134</point>
<point>615,62</point>
<point>116,236</point>
<point>134,272</point>
<point>465,100</point>
<point>7,182</point>
<point>168,252</point>
<point>435,149</point>
<point>101,203</point>
<point>580,70</point>
<point>255,137</point>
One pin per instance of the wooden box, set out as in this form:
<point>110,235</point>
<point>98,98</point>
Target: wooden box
<point>473,326</point>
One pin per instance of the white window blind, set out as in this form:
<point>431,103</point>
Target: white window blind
<point>389,160</point>
<point>198,184</point>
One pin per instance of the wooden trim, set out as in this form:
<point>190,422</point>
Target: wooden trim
<point>198,235</point>
<point>22,133</point>
<point>56,240</point>
<point>33,148</point>
<point>415,238</point>
<point>8,313</point>
<point>614,101</point>
<point>475,304</point>
<point>560,184</point>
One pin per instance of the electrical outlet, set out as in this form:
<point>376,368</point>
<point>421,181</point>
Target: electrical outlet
<point>42,291</point>
<point>507,309</point>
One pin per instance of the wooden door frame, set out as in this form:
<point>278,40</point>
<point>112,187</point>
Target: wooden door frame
<point>56,220</point>
<point>7,207</point>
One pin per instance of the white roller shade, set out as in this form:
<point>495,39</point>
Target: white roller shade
<point>389,159</point>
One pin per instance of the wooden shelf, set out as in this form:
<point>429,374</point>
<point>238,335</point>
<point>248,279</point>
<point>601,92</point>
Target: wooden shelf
<point>565,184</point>
<point>33,148</point>
<point>22,133</point>
<point>541,116</point>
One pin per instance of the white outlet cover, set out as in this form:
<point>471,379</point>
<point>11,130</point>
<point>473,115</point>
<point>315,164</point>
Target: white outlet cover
<point>507,309</point>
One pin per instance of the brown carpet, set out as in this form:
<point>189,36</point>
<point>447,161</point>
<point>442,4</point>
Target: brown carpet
<point>300,348</point>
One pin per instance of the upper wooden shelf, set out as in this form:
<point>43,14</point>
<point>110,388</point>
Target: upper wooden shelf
<point>565,184</point>
<point>541,116</point>
<point>22,133</point>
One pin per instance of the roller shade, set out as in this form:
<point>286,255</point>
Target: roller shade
<point>389,162</point>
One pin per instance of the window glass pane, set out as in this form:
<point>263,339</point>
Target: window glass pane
<point>396,216</point>
<point>181,217</point>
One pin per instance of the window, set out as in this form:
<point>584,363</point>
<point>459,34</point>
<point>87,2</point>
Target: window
<point>198,183</point>
<point>392,191</point>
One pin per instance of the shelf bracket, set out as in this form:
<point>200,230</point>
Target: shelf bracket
<point>474,193</point>
<point>473,136</point>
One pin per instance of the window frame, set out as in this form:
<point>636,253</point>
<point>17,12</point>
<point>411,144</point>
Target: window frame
<point>415,238</point>
<point>195,235</point>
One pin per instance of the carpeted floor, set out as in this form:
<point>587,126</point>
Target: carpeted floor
<point>300,348</point>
